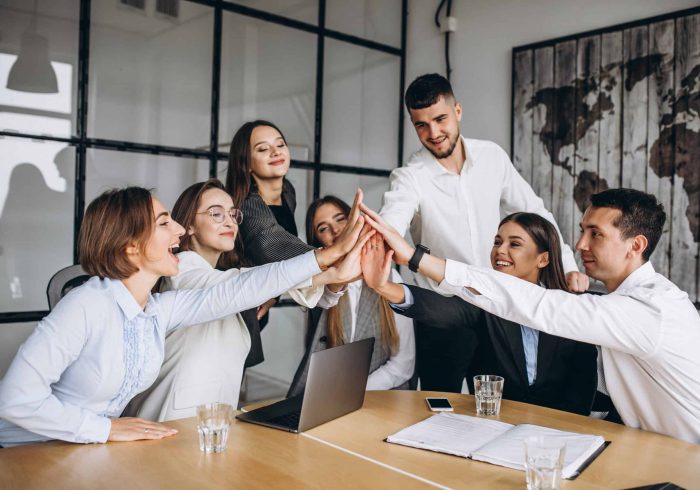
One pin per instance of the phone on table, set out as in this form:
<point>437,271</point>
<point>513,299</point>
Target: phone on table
<point>439,404</point>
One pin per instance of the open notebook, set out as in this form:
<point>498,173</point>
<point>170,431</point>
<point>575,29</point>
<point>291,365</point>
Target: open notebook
<point>493,441</point>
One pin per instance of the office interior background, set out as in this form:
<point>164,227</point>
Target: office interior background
<point>105,93</point>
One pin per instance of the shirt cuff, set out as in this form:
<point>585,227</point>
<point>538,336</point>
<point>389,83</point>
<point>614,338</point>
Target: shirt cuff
<point>407,300</point>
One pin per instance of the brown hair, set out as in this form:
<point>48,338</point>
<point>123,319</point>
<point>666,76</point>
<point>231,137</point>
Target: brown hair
<point>389,336</point>
<point>185,212</point>
<point>546,238</point>
<point>239,181</point>
<point>113,221</point>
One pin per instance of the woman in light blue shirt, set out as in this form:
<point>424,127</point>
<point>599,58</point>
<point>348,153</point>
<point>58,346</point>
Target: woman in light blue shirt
<point>103,343</point>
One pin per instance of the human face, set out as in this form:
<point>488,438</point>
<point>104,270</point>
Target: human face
<point>210,239</point>
<point>269,154</point>
<point>159,258</point>
<point>329,222</point>
<point>515,252</point>
<point>437,126</point>
<point>605,254</point>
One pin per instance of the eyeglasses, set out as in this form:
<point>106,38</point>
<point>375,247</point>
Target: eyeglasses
<point>218,214</point>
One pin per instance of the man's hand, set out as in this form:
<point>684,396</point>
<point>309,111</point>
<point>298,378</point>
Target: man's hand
<point>135,429</point>
<point>577,282</point>
<point>347,239</point>
<point>376,263</point>
<point>402,250</point>
<point>349,269</point>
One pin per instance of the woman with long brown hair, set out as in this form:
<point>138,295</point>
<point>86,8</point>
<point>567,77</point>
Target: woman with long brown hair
<point>538,368</point>
<point>205,363</point>
<point>103,342</point>
<point>360,313</point>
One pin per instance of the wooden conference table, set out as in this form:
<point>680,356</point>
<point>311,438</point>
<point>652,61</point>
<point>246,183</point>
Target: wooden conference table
<point>345,453</point>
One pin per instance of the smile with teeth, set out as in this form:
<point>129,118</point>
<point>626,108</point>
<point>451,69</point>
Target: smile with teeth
<point>503,263</point>
<point>174,248</point>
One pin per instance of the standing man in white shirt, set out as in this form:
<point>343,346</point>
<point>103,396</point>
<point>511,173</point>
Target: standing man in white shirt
<point>648,329</point>
<point>453,193</point>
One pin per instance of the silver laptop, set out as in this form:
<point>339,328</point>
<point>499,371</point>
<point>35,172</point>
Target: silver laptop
<point>335,386</point>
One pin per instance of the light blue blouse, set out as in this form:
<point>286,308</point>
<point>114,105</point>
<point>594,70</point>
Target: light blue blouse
<point>97,349</point>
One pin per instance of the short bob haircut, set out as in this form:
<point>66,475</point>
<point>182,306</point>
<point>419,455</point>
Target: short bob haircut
<point>112,222</point>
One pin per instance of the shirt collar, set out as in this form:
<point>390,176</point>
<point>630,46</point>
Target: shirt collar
<point>127,303</point>
<point>638,276</point>
<point>436,169</point>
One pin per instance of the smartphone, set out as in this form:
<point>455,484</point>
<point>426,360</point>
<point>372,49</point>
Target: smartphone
<point>439,404</point>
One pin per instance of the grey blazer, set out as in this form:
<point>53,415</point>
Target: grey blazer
<point>264,240</point>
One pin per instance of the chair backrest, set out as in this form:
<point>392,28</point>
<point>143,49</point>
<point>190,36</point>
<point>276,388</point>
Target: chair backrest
<point>63,281</point>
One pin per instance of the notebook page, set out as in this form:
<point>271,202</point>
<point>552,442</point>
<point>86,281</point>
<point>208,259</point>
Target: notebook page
<point>509,449</point>
<point>450,433</point>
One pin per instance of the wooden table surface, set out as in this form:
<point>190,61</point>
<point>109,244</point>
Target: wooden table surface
<point>345,453</point>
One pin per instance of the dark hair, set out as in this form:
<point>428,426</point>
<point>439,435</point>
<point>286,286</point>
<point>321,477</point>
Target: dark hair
<point>311,237</point>
<point>425,91</point>
<point>239,181</point>
<point>641,214</point>
<point>114,220</point>
<point>185,212</point>
<point>546,238</point>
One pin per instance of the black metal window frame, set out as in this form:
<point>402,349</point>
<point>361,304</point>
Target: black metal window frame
<point>81,142</point>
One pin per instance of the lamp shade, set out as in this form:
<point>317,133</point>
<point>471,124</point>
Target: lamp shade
<point>32,70</point>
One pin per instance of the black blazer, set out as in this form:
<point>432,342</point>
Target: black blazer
<point>566,369</point>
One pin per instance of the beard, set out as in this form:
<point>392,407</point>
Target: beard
<point>449,151</point>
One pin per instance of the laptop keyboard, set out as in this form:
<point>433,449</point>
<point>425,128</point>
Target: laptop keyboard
<point>288,419</point>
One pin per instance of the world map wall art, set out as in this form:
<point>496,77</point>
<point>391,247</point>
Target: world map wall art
<point>616,107</point>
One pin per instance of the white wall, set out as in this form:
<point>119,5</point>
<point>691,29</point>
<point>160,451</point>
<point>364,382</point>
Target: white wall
<point>481,48</point>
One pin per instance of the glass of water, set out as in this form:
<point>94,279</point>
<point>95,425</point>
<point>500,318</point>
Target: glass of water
<point>544,460</point>
<point>488,390</point>
<point>213,421</point>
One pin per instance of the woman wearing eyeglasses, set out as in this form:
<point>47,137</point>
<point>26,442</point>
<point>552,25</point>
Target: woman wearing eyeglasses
<point>205,363</point>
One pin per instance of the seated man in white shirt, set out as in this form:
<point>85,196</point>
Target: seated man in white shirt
<point>648,329</point>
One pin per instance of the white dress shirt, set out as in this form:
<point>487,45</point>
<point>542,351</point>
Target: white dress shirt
<point>648,330</point>
<point>98,348</point>
<point>398,368</point>
<point>457,215</point>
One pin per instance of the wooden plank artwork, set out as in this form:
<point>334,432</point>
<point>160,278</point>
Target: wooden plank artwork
<point>618,108</point>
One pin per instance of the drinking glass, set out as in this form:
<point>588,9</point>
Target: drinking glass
<point>488,390</point>
<point>544,460</point>
<point>214,420</point>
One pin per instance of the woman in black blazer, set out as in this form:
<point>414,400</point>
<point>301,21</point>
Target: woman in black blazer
<point>538,368</point>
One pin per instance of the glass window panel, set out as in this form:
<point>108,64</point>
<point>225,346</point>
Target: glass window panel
<point>12,335</point>
<point>376,20</point>
<point>303,182</point>
<point>38,66</point>
<point>303,10</point>
<point>360,106</point>
<point>150,77</point>
<point>268,72</point>
<point>36,219</point>
<point>167,176</point>
<point>344,186</point>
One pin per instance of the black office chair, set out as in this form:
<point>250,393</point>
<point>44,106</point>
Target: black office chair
<point>63,281</point>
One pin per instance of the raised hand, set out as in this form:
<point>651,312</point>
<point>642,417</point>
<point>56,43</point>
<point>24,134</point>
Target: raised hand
<point>376,262</point>
<point>402,250</point>
<point>349,269</point>
<point>347,239</point>
<point>134,429</point>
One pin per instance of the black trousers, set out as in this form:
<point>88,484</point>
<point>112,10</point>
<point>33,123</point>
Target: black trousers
<point>443,356</point>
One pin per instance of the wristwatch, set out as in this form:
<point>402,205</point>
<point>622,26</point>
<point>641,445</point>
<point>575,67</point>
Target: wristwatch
<point>417,256</point>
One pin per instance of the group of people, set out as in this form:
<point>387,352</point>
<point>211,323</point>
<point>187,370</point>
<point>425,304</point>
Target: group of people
<point>172,315</point>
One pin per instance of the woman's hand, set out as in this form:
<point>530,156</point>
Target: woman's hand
<point>347,239</point>
<point>135,429</point>
<point>376,263</point>
<point>349,269</point>
<point>264,308</point>
<point>402,250</point>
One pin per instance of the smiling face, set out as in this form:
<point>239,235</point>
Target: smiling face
<point>158,258</point>
<point>515,252</point>
<point>209,238</point>
<point>328,223</point>
<point>437,126</point>
<point>269,154</point>
<point>606,255</point>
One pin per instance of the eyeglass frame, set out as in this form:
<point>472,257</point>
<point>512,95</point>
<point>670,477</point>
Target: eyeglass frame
<point>238,219</point>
